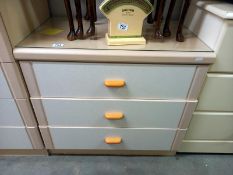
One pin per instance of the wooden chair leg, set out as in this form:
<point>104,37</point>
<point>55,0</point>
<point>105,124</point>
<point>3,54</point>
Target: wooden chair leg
<point>159,14</point>
<point>150,19</point>
<point>91,9</point>
<point>86,17</point>
<point>95,13</point>
<point>179,34</point>
<point>79,31</point>
<point>157,9</point>
<point>71,36</point>
<point>166,29</point>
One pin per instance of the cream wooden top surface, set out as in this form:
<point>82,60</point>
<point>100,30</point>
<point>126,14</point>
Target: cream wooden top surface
<point>40,46</point>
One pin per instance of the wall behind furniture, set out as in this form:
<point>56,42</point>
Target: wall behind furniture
<point>59,9</point>
<point>21,17</point>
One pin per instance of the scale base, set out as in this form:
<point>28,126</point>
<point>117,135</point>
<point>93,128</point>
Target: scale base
<point>125,41</point>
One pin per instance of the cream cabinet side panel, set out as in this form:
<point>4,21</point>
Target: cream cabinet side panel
<point>6,54</point>
<point>21,17</point>
<point>35,137</point>
<point>224,51</point>
<point>14,138</point>
<point>26,112</point>
<point>217,94</point>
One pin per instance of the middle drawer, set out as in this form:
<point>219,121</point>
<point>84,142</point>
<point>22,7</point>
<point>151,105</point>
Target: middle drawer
<point>112,113</point>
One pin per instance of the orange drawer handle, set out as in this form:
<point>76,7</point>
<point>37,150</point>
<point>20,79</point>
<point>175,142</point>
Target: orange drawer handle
<point>114,115</point>
<point>114,83</point>
<point>113,140</point>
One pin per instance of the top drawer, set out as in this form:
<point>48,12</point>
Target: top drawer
<point>86,80</point>
<point>4,88</point>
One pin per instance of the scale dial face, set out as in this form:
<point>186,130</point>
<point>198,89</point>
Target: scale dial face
<point>108,5</point>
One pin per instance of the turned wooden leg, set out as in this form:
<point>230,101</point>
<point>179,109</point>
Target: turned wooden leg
<point>179,34</point>
<point>87,16</point>
<point>150,19</point>
<point>95,13</point>
<point>79,31</point>
<point>71,36</point>
<point>159,14</point>
<point>157,9</point>
<point>91,11</point>
<point>166,29</point>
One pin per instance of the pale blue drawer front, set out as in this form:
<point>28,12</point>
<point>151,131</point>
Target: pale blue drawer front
<point>86,80</point>
<point>93,138</point>
<point>14,138</point>
<point>9,113</point>
<point>4,88</point>
<point>90,113</point>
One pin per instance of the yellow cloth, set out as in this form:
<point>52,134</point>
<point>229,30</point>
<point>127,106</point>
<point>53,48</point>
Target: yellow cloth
<point>51,31</point>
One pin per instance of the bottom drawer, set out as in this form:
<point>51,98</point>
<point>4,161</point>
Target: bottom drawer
<point>95,138</point>
<point>14,138</point>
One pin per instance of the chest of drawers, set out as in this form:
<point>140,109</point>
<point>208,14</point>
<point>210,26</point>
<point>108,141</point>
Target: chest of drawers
<point>211,127</point>
<point>80,105</point>
<point>90,98</point>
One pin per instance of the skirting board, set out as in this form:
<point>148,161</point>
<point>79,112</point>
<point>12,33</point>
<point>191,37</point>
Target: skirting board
<point>23,152</point>
<point>111,152</point>
<point>206,146</point>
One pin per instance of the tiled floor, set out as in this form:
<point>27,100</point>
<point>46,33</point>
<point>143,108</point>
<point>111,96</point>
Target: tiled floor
<point>182,164</point>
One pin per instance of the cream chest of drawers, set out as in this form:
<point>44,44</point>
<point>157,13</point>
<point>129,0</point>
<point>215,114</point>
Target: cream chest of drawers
<point>211,127</point>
